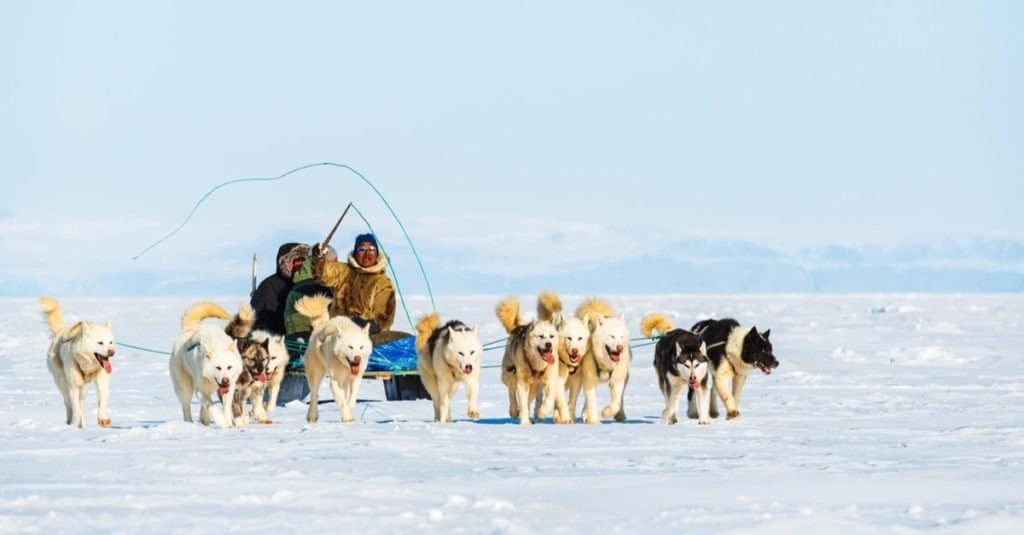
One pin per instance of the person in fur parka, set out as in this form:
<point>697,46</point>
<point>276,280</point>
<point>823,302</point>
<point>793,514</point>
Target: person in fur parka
<point>362,289</point>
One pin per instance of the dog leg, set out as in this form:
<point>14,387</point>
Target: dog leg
<point>590,414</point>
<point>713,412</point>
<point>313,377</point>
<point>672,400</point>
<point>738,381</point>
<point>341,400</point>
<point>574,393</point>
<point>703,396</point>
<point>223,416</point>
<point>102,395</point>
<point>204,408</point>
<point>473,395</point>
<point>257,405</point>
<point>523,402</point>
<point>450,397</point>
<point>562,414</point>
<point>353,390</point>
<point>513,401</point>
<point>442,402</point>
<point>722,374</point>
<point>271,404</point>
<point>615,403</point>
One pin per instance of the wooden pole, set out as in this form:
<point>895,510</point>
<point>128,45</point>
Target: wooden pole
<point>254,260</point>
<point>327,240</point>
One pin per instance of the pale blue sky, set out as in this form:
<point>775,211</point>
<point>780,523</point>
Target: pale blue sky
<point>792,124</point>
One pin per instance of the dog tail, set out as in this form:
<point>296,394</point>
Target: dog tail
<point>549,307</point>
<point>594,308</point>
<point>655,322</point>
<point>198,312</point>
<point>424,328</point>
<point>241,324</point>
<point>52,313</point>
<point>508,313</point>
<point>314,307</point>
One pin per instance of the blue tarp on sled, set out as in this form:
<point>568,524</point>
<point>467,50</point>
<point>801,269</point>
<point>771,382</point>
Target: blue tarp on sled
<point>395,357</point>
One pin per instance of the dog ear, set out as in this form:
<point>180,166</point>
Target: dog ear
<point>679,349</point>
<point>451,332</point>
<point>586,320</point>
<point>266,344</point>
<point>766,334</point>
<point>107,324</point>
<point>703,348</point>
<point>366,328</point>
<point>600,321</point>
<point>75,331</point>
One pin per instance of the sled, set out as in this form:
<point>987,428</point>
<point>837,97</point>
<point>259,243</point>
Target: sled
<point>393,362</point>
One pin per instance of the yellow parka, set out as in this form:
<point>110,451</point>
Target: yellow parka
<point>360,292</point>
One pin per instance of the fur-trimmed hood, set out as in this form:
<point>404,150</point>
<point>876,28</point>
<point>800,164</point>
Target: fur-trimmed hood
<point>379,267</point>
<point>288,254</point>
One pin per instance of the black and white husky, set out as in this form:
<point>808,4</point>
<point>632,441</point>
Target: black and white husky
<point>680,358</point>
<point>734,352</point>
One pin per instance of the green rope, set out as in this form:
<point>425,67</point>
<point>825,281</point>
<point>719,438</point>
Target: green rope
<point>213,190</point>
<point>144,349</point>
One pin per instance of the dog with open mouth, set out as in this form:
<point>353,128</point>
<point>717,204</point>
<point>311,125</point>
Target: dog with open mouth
<point>263,357</point>
<point>735,352</point>
<point>205,361</point>
<point>446,356</point>
<point>607,361</point>
<point>573,345</point>
<point>681,360</point>
<point>529,366</point>
<point>338,348</point>
<point>275,370</point>
<point>78,355</point>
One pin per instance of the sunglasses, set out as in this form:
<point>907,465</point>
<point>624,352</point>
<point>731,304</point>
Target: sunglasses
<point>366,249</point>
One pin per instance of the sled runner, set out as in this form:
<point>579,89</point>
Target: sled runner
<point>393,362</point>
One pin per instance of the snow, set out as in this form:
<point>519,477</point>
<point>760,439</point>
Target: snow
<point>889,413</point>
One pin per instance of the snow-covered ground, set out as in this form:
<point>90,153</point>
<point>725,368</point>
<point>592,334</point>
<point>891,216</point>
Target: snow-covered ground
<point>889,413</point>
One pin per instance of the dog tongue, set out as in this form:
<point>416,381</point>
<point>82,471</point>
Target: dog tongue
<point>614,357</point>
<point>223,390</point>
<point>262,377</point>
<point>107,366</point>
<point>354,369</point>
<point>549,357</point>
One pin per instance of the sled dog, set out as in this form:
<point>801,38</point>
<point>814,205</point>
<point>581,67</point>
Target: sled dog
<point>606,361</point>
<point>529,364</point>
<point>205,361</point>
<point>680,358</point>
<point>447,355</point>
<point>79,355</point>
<point>258,365</point>
<point>338,348</point>
<point>734,352</point>
<point>277,367</point>
<point>573,345</point>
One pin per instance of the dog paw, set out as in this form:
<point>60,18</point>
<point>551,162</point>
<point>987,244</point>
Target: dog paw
<point>347,420</point>
<point>732,415</point>
<point>703,422</point>
<point>620,417</point>
<point>104,422</point>
<point>474,415</point>
<point>607,412</point>
<point>591,419</point>
<point>265,421</point>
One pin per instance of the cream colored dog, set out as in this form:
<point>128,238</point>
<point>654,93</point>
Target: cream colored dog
<point>338,348</point>
<point>278,365</point>
<point>607,361</point>
<point>573,344</point>
<point>529,365</point>
<point>447,355</point>
<point>79,355</point>
<point>205,361</point>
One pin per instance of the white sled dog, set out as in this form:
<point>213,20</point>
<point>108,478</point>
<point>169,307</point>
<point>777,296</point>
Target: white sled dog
<point>607,361</point>
<point>573,344</point>
<point>79,355</point>
<point>337,348</point>
<point>447,355</point>
<point>681,358</point>
<point>205,361</point>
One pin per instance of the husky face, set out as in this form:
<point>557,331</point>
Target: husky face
<point>757,351</point>
<point>96,339</point>
<point>575,337</point>
<point>275,347</point>
<point>350,346</point>
<point>542,340</point>
<point>464,350</point>
<point>222,364</point>
<point>256,360</point>
<point>694,362</point>
<point>610,339</point>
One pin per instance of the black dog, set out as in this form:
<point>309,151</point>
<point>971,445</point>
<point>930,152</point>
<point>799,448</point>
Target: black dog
<point>734,352</point>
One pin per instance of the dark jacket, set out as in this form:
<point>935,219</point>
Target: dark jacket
<point>269,298</point>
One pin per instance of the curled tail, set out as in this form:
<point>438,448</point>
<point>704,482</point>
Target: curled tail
<point>198,312</point>
<point>424,328</point>
<point>655,322</point>
<point>241,324</point>
<point>549,307</point>
<point>52,313</point>
<point>508,313</point>
<point>594,308</point>
<point>314,307</point>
